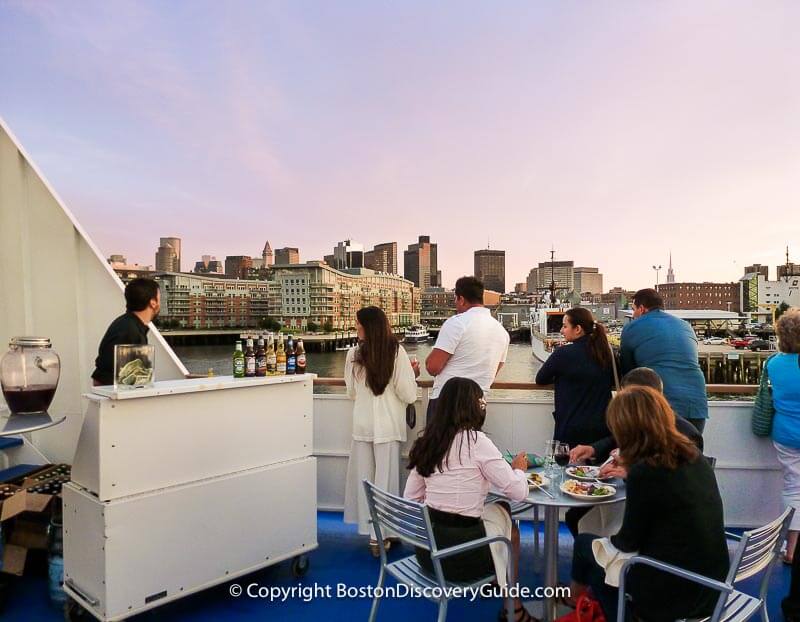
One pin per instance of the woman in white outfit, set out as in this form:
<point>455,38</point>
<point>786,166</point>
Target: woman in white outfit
<point>382,381</point>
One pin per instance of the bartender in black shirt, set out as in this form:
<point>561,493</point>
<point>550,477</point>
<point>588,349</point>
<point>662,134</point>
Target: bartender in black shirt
<point>143,302</point>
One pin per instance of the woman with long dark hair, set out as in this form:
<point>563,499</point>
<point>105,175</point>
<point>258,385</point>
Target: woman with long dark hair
<point>582,372</point>
<point>583,377</point>
<point>452,467</point>
<point>381,379</point>
<point>673,513</point>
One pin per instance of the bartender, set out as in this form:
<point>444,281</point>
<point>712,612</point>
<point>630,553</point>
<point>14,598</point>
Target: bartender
<point>143,302</point>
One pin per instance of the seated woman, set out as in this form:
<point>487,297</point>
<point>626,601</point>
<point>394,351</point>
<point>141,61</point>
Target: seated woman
<point>673,513</point>
<point>452,466</point>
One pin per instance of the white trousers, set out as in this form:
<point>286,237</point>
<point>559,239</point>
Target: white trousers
<point>378,463</point>
<point>789,457</point>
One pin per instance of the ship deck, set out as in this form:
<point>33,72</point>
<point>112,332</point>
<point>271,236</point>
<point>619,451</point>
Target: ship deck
<point>341,559</point>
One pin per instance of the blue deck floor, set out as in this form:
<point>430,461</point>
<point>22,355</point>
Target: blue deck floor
<point>342,557</point>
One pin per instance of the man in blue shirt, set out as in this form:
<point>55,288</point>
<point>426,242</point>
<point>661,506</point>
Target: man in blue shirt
<point>668,345</point>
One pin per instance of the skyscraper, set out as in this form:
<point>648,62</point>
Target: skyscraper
<point>382,258</point>
<point>588,280</point>
<point>267,256</point>
<point>490,267</point>
<point>168,255</point>
<point>346,254</point>
<point>562,272</point>
<point>286,256</point>
<point>238,266</point>
<point>420,263</point>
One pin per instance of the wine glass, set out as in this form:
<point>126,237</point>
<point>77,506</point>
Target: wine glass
<point>561,457</point>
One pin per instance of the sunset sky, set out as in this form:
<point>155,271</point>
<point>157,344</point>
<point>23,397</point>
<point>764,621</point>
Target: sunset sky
<point>614,131</point>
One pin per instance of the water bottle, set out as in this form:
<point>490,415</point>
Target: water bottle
<point>55,560</point>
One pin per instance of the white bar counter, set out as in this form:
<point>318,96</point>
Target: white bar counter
<point>187,484</point>
<point>180,431</point>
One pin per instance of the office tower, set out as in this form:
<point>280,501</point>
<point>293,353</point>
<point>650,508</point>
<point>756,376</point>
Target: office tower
<point>490,268</point>
<point>286,256</point>
<point>420,263</point>
<point>382,258</point>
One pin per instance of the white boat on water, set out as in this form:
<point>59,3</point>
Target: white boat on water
<point>545,331</point>
<point>416,334</point>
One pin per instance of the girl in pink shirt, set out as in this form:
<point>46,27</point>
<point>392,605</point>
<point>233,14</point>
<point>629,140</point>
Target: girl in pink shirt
<point>453,464</point>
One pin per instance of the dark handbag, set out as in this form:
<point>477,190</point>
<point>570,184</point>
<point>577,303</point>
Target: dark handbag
<point>411,416</point>
<point>763,409</point>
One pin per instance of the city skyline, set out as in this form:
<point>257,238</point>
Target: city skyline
<point>583,127</point>
<point>592,272</point>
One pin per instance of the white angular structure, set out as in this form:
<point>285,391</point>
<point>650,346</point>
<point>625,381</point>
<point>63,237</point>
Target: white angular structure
<point>72,299</point>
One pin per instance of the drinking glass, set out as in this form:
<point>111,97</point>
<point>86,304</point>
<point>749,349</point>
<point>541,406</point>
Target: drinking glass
<point>561,457</point>
<point>549,457</point>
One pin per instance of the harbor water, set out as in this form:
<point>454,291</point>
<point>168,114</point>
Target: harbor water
<point>520,366</point>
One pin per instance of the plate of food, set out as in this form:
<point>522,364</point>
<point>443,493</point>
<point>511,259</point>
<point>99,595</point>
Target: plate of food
<point>537,480</point>
<point>587,491</point>
<point>584,473</point>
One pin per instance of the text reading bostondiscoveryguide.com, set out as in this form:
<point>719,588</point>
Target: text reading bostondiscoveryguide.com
<point>307,593</point>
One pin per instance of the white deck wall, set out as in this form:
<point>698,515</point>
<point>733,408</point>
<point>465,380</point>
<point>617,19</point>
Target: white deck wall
<point>747,471</point>
<point>55,283</point>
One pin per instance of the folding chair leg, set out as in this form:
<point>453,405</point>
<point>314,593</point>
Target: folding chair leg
<point>373,613</point>
<point>442,610</point>
<point>537,558</point>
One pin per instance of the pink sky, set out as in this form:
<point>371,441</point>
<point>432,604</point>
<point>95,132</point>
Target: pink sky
<point>614,131</point>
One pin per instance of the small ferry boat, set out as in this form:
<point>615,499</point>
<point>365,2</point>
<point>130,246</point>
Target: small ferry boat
<point>416,334</point>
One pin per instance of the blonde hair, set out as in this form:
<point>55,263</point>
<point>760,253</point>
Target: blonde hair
<point>788,330</point>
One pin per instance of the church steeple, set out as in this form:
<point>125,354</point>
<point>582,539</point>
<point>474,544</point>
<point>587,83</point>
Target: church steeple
<point>670,273</point>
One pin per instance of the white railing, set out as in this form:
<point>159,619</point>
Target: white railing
<point>747,471</point>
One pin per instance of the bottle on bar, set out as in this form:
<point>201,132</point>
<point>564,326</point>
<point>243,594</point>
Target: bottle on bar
<point>300,352</point>
<point>280,357</point>
<point>272,361</point>
<point>249,360</point>
<point>291,357</point>
<point>238,361</point>
<point>261,358</point>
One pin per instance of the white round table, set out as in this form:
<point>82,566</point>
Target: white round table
<point>20,424</point>
<point>551,510</point>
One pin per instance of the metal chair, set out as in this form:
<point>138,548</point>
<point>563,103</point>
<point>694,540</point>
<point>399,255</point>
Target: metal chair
<point>757,550</point>
<point>411,522</point>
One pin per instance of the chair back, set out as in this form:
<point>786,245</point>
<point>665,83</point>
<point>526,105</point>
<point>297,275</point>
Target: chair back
<point>759,547</point>
<point>408,520</point>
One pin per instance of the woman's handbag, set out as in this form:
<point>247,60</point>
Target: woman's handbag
<point>587,609</point>
<point>411,416</point>
<point>763,409</point>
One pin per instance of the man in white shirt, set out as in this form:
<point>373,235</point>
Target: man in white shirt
<point>471,344</point>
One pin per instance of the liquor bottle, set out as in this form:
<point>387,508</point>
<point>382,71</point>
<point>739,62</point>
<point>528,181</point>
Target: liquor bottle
<point>238,361</point>
<point>301,357</point>
<point>280,357</point>
<point>272,360</point>
<point>261,358</point>
<point>249,360</point>
<point>291,356</point>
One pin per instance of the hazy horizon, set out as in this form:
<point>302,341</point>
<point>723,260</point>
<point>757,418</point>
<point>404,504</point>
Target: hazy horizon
<point>615,133</point>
